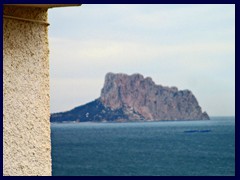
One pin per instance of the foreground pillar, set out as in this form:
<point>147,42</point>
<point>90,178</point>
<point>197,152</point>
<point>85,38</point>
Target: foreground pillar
<point>26,101</point>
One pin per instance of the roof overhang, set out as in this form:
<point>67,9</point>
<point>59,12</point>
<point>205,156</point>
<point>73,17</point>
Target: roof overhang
<point>43,5</point>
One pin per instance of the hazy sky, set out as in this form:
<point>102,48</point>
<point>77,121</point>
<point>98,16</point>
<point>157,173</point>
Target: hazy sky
<point>188,46</point>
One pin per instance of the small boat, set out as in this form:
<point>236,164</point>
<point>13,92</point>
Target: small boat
<point>205,131</point>
<point>195,131</point>
<point>191,131</point>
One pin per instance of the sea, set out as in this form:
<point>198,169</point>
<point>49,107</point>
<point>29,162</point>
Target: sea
<point>164,148</point>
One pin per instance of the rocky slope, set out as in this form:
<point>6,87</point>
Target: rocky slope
<point>132,98</point>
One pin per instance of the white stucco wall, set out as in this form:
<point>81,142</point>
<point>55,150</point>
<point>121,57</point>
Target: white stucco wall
<point>26,126</point>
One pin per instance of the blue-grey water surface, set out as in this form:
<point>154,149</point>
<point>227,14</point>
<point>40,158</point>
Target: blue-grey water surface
<point>169,148</point>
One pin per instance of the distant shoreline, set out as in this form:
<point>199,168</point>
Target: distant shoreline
<point>150,121</point>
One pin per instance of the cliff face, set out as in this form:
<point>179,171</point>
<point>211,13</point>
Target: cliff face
<point>141,98</point>
<point>131,98</point>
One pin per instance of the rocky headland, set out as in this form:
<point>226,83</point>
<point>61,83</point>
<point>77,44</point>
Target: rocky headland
<point>135,98</point>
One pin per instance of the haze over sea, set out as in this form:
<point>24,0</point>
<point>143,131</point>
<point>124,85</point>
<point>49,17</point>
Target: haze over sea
<point>168,148</point>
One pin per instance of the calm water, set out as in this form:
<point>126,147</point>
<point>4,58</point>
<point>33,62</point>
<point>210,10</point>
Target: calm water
<point>150,148</point>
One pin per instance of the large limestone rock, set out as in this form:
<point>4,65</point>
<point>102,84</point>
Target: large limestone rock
<point>132,98</point>
<point>141,98</point>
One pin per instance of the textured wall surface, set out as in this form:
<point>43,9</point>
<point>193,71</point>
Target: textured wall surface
<point>26,126</point>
